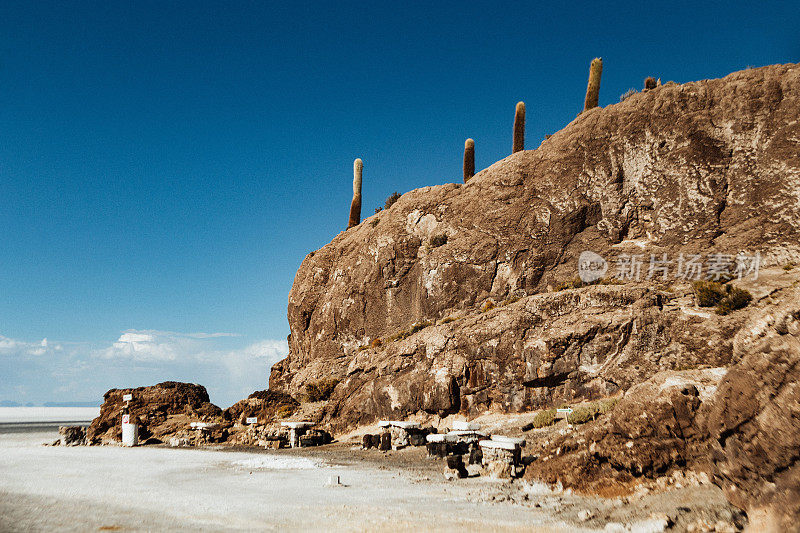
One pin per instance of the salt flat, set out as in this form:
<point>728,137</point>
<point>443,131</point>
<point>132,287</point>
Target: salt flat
<point>47,414</point>
<point>149,488</point>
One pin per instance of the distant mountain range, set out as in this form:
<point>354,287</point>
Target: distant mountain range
<point>8,403</point>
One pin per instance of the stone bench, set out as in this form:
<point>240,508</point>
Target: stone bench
<point>502,455</point>
<point>460,425</point>
<point>403,433</point>
<point>519,441</point>
<point>204,426</point>
<point>296,430</point>
<point>453,443</point>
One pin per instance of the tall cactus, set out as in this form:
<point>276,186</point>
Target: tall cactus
<point>469,159</point>
<point>593,89</point>
<point>519,128</point>
<point>355,205</point>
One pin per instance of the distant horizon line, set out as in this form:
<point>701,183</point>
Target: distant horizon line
<point>9,403</point>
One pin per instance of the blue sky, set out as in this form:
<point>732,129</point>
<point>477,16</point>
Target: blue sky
<point>164,169</point>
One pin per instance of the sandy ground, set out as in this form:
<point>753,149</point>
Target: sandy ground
<point>164,489</point>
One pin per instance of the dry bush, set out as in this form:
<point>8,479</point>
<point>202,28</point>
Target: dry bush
<point>320,390</point>
<point>708,293</point>
<point>391,200</point>
<point>734,299</point>
<point>438,240</point>
<point>544,418</point>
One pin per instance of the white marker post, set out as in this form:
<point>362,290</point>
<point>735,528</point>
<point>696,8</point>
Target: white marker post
<point>130,432</point>
<point>564,413</point>
<point>252,420</point>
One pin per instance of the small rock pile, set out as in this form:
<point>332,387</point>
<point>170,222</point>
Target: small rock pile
<point>71,436</point>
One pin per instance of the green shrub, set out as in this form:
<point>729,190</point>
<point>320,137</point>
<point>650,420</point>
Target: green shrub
<point>590,411</point>
<point>544,418</point>
<point>708,293</point>
<point>734,299</point>
<point>419,326</point>
<point>400,335</point>
<point>607,405</point>
<point>438,240</point>
<point>788,266</point>
<point>582,413</point>
<point>510,300</point>
<point>575,283</point>
<point>283,411</point>
<point>448,319</point>
<point>320,390</point>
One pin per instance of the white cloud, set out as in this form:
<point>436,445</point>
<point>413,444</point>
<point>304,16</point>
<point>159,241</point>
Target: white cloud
<point>268,349</point>
<point>229,368</point>
<point>155,345</point>
<point>16,347</point>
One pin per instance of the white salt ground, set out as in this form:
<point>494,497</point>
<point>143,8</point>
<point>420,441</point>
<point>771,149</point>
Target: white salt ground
<point>161,489</point>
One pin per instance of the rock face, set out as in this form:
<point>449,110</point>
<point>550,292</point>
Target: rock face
<point>160,410</point>
<point>741,424</point>
<point>264,405</point>
<point>653,429</point>
<point>754,424</point>
<point>445,302</point>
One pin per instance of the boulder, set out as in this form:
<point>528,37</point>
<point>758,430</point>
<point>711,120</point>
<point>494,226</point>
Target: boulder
<point>266,405</point>
<point>455,463</point>
<point>499,469</point>
<point>385,442</point>
<point>654,428</point>
<point>72,435</point>
<point>161,411</point>
<point>754,427</point>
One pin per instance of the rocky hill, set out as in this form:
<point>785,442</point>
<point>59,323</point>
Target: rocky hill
<point>397,308</point>
<point>464,298</point>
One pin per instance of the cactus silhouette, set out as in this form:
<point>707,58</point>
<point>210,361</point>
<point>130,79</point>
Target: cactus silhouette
<point>593,88</point>
<point>649,83</point>
<point>519,128</point>
<point>469,159</point>
<point>355,205</point>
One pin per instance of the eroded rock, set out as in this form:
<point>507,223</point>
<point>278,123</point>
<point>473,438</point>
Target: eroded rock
<point>754,427</point>
<point>161,411</point>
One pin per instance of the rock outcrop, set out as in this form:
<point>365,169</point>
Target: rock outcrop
<point>446,302</point>
<point>741,425</point>
<point>161,410</point>
<point>652,430</point>
<point>71,435</point>
<point>754,423</point>
<point>265,405</point>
